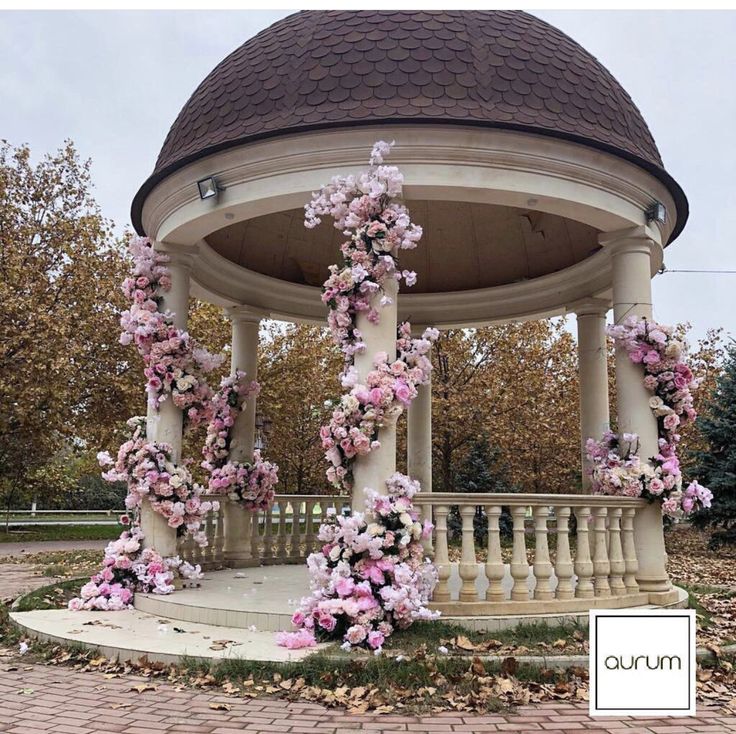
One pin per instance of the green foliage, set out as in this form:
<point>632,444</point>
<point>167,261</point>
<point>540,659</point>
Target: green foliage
<point>715,466</point>
<point>482,472</point>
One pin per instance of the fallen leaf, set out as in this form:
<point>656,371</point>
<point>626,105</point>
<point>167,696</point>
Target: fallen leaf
<point>220,706</point>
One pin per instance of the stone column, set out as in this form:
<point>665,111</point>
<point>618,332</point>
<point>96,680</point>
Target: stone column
<point>634,256</point>
<point>593,373</point>
<point>372,471</point>
<point>419,437</point>
<point>165,424</point>
<point>244,356</point>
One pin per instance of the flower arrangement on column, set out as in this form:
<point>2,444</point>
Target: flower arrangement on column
<point>250,484</point>
<point>370,576</point>
<point>616,467</point>
<point>174,364</point>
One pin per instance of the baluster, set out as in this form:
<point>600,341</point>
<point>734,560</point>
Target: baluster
<point>218,539</point>
<point>267,537</point>
<point>468,568</point>
<point>282,530</point>
<point>583,562</point>
<point>427,543</point>
<point>495,570</point>
<point>519,562</point>
<point>542,565</point>
<point>295,529</point>
<point>601,564</point>
<point>563,562</point>
<point>441,556</point>
<point>255,536</point>
<point>631,563</point>
<point>310,537</point>
<point>184,548</point>
<point>615,551</point>
<point>208,551</point>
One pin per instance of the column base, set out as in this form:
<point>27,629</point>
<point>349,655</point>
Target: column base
<point>663,598</point>
<point>239,560</point>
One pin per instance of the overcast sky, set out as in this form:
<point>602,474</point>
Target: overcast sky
<point>114,82</point>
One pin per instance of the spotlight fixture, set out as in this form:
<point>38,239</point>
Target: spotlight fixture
<point>208,188</point>
<point>656,213</point>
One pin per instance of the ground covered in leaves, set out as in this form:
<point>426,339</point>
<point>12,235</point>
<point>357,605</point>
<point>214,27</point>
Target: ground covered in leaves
<point>431,667</point>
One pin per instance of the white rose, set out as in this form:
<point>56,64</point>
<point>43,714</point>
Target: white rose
<point>350,403</point>
<point>182,385</point>
<point>335,553</point>
<point>655,402</point>
<point>175,480</point>
<point>405,520</point>
<point>375,529</point>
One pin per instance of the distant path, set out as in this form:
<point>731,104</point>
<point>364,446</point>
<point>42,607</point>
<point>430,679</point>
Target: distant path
<point>28,547</point>
<point>36,523</point>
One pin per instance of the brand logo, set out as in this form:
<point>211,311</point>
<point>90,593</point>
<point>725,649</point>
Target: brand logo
<point>642,662</point>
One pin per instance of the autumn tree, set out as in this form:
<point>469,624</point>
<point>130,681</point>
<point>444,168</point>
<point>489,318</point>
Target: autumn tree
<point>518,384</point>
<point>299,369</point>
<point>64,379</point>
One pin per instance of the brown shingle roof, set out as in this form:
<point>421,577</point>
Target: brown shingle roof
<point>317,69</point>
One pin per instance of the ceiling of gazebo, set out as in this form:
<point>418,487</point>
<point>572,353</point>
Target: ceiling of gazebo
<point>465,246</point>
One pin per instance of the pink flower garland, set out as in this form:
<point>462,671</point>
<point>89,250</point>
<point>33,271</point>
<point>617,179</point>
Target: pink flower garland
<point>225,407</point>
<point>174,363</point>
<point>128,568</point>
<point>249,484</point>
<point>370,577</point>
<point>149,472</point>
<point>616,467</point>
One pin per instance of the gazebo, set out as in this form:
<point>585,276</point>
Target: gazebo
<point>541,192</point>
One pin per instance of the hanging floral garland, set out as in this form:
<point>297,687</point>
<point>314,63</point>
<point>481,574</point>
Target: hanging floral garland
<point>174,363</point>
<point>250,484</point>
<point>370,576</point>
<point>616,467</point>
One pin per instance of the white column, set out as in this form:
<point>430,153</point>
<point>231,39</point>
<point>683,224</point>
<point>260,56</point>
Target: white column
<point>165,424</point>
<point>244,356</point>
<point>372,471</point>
<point>419,439</point>
<point>593,374</point>
<point>635,256</point>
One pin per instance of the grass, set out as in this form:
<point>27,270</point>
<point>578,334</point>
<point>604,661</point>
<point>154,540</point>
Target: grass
<point>62,517</point>
<point>29,534</point>
<point>432,634</point>
<point>53,596</point>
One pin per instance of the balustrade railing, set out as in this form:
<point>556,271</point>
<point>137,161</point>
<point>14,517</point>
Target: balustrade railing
<point>597,567</point>
<point>542,566</point>
<point>286,533</point>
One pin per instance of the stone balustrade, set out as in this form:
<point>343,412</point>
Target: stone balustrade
<point>596,567</point>
<point>589,564</point>
<point>287,533</point>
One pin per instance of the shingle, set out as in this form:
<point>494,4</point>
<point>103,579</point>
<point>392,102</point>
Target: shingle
<point>493,67</point>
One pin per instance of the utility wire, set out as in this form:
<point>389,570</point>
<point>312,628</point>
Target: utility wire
<point>664,270</point>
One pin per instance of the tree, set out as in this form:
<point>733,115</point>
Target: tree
<point>63,375</point>
<point>298,370</point>
<point>483,471</point>
<point>519,384</point>
<point>715,465</point>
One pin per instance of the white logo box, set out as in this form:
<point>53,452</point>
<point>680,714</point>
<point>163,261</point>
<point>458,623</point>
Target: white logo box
<point>642,662</point>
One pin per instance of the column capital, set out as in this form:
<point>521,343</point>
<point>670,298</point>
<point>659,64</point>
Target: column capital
<point>179,255</point>
<point>245,313</point>
<point>641,238</point>
<point>590,307</point>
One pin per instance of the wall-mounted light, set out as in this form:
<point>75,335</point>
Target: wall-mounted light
<point>208,188</point>
<point>656,213</point>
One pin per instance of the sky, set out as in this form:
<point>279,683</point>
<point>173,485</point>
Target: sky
<point>114,82</point>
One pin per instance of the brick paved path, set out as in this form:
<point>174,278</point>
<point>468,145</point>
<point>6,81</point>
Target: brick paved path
<point>38,699</point>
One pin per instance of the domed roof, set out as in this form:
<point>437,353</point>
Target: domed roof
<point>318,69</point>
